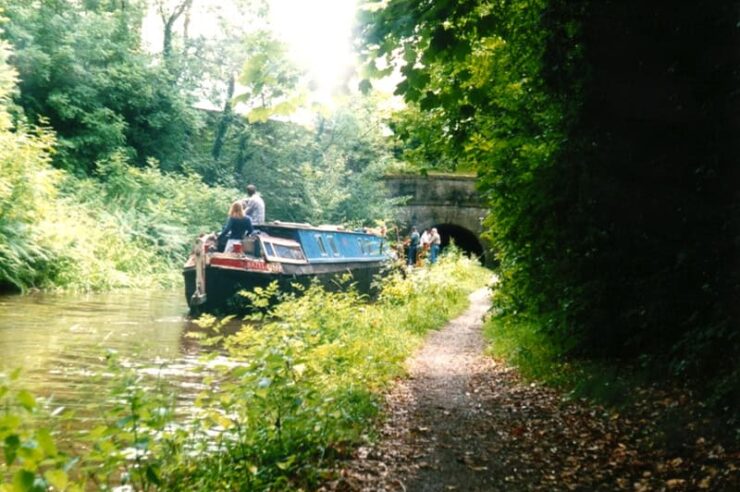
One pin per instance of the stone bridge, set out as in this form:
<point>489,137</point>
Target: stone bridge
<point>449,202</point>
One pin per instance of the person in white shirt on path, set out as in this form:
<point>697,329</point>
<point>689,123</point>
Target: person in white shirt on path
<point>435,242</point>
<point>424,244</point>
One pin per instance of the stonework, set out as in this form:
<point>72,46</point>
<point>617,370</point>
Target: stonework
<point>449,202</point>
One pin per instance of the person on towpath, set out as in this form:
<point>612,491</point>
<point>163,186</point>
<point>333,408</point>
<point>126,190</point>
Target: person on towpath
<point>413,246</point>
<point>435,242</point>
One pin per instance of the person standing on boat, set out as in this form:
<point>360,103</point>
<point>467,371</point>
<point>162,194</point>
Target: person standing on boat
<point>413,246</point>
<point>254,205</point>
<point>435,242</point>
<point>236,227</point>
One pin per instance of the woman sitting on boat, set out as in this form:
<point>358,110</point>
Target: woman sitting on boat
<point>235,229</point>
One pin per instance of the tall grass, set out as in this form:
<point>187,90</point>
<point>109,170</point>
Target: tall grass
<point>130,229</point>
<point>137,224</point>
<point>298,391</point>
<point>27,192</point>
<point>125,227</point>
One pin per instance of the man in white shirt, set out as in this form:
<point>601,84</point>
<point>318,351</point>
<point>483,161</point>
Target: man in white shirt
<point>435,241</point>
<point>254,206</point>
<point>425,237</point>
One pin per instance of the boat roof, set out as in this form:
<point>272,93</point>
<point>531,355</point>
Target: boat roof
<point>310,227</point>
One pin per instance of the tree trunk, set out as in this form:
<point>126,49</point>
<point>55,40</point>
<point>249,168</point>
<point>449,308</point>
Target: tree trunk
<point>169,23</point>
<point>241,154</point>
<point>223,124</point>
<point>167,40</point>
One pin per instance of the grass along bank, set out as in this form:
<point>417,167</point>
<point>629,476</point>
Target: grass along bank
<point>298,391</point>
<point>122,226</point>
<point>126,227</point>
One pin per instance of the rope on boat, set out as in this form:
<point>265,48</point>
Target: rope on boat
<point>199,251</point>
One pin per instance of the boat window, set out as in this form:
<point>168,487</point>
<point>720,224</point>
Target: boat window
<point>371,247</point>
<point>322,248</point>
<point>289,252</point>
<point>375,247</point>
<point>269,250</point>
<point>368,246</point>
<point>332,245</point>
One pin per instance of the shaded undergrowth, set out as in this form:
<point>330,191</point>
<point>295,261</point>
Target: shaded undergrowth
<point>692,409</point>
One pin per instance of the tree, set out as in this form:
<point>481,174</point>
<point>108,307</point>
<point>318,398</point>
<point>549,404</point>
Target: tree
<point>169,12</point>
<point>328,172</point>
<point>83,73</point>
<point>604,147</point>
<point>269,80</point>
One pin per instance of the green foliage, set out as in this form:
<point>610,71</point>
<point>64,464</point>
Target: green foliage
<point>479,100</point>
<point>83,73</point>
<point>27,190</point>
<point>312,371</point>
<point>128,227</point>
<point>164,210</point>
<point>130,230</point>
<point>32,461</point>
<point>607,177</point>
<point>268,78</point>
<point>298,389</point>
<point>328,173</point>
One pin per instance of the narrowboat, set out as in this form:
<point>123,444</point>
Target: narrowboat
<point>287,253</point>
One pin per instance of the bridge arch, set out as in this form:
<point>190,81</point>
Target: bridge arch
<point>449,202</point>
<point>463,238</point>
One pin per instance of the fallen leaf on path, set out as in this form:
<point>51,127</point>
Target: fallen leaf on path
<point>675,483</point>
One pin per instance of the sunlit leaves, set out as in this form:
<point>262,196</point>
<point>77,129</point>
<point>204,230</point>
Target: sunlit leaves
<point>57,478</point>
<point>269,80</point>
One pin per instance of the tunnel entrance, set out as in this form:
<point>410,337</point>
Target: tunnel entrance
<point>463,238</point>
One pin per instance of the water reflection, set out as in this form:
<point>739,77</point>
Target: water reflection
<point>61,341</point>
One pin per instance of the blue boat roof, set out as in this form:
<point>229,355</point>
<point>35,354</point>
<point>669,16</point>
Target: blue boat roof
<point>330,244</point>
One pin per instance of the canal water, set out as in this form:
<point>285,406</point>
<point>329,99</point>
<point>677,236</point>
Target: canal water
<point>60,343</point>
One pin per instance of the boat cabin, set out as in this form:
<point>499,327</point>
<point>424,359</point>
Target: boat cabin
<point>282,252</point>
<point>319,244</point>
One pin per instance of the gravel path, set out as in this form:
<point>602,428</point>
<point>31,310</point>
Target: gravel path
<point>462,421</point>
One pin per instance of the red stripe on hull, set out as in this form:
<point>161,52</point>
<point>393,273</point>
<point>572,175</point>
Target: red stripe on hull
<point>245,264</point>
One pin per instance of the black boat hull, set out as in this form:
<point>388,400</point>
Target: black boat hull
<point>223,284</point>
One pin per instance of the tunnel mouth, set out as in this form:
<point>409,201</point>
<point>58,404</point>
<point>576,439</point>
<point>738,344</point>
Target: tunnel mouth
<point>464,239</point>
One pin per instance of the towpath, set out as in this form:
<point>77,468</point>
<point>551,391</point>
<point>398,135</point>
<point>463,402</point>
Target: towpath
<point>463,421</point>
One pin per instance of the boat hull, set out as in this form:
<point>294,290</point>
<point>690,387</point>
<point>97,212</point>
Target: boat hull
<point>223,284</point>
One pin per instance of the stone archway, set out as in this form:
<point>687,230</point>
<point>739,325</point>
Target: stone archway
<point>463,238</point>
<point>448,202</point>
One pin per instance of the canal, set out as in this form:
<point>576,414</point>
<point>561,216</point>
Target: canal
<point>60,343</point>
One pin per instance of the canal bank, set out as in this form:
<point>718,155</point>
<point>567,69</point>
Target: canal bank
<point>290,397</point>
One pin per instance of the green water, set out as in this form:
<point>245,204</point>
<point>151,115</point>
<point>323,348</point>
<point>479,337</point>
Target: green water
<point>60,342</point>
